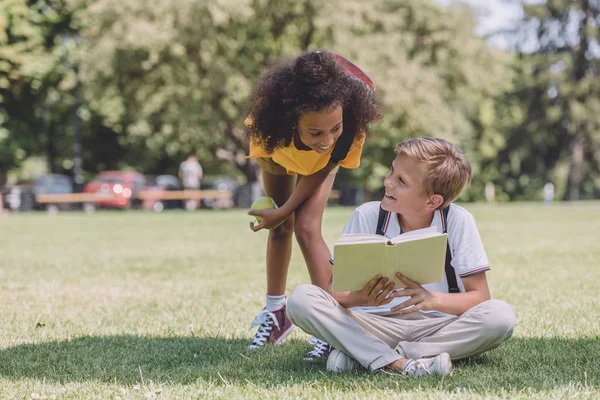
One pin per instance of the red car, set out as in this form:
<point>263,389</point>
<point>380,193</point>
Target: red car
<point>121,188</point>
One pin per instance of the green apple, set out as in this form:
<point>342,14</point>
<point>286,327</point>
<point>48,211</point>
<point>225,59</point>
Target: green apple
<point>262,203</point>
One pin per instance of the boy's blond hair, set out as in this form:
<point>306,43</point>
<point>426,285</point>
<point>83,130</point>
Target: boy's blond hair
<point>448,169</point>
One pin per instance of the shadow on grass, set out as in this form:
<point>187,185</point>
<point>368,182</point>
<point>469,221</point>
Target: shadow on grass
<point>522,363</point>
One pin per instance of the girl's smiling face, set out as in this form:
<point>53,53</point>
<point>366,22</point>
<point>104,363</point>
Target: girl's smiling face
<point>319,130</point>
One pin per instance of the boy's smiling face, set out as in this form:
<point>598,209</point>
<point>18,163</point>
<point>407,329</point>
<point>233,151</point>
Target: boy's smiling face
<point>404,191</point>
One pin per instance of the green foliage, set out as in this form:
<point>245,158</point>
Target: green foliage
<point>160,80</point>
<point>34,98</point>
<point>172,78</point>
<point>435,76</point>
<point>553,111</point>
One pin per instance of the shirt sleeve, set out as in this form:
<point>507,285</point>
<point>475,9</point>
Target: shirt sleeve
<point>256,150</point>
<point>468,254</point>
<point>352,159</point>
<point>363,219</point>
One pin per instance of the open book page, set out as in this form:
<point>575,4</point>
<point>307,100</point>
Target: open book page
<point>349,238</point>
<point>421,259</point>
<point>356,264</point>
<point>418,233</point>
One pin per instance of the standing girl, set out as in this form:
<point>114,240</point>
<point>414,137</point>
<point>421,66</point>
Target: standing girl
<point>308,117</point>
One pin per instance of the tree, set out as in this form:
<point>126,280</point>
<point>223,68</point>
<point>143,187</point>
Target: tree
<point>435,76</point>
<point>558,90</point>
<point>171,78</point>
<point>34,106</point>
<point>160,80</point>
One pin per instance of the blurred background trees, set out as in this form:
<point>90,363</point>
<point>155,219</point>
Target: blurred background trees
<point>555,134</point>
<point>135,84</point>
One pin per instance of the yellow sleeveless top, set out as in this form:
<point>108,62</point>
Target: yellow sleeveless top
<point>305,162</point>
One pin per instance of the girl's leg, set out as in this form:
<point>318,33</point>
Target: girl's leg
<point>279,245</point>
<point>273,324</point>
<point>309,218</point>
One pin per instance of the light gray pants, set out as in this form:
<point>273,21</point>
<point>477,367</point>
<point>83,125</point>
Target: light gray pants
<point>376,340</point>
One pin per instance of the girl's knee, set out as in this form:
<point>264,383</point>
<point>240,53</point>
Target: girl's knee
<point>283,231</point>
<point>306,231</point>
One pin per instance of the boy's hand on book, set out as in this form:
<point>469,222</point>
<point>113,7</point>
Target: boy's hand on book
<point>375,293</point>
<point>420,298</point>
<point>269,219</point>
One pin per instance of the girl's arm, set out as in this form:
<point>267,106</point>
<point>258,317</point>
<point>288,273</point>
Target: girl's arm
<point>305,188</point>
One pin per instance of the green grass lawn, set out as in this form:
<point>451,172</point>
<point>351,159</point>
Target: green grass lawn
<point>140,305</point>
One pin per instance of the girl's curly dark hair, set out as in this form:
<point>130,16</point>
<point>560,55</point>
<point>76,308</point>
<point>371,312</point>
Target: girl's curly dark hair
<point>314,81</point>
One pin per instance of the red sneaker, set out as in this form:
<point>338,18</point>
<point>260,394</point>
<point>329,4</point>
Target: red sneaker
<point>321,350</point>
<point>273,328</point>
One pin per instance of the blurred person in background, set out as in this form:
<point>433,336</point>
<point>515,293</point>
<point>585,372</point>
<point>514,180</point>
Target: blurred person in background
<point>190,174</point>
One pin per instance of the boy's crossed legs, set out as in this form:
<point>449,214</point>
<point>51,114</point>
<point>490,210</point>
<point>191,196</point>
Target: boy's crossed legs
<point>379,340</point>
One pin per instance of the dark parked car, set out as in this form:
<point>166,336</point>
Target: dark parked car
<point>221,184</point>
<point>22,196</point>
<point>158,185</point>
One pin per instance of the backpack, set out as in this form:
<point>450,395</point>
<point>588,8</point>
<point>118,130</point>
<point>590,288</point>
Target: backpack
<point>342,146</point>
<point>449,269</point>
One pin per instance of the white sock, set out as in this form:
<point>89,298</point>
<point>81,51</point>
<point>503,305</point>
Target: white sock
<point>275,303</point>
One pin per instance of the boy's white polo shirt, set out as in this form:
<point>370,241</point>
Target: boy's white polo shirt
<point>466,247</point>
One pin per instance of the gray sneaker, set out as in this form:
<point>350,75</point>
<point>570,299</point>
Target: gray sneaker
<point>440,365</point>
<point>340,362</point>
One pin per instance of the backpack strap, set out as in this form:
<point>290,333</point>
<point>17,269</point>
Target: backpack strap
<point>381,221</point>
<point>450,273</point>
<point>344,143</point>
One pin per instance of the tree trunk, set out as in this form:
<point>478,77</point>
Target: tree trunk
<point>576,169</point>
<point>581,66</point>
<point>51,147</point>
<point>250,170</point>
<point>3,177</point>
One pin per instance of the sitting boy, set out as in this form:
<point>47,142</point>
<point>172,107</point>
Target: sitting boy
<point>417,330</point>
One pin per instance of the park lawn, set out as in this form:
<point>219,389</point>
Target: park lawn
<point>142,305</point>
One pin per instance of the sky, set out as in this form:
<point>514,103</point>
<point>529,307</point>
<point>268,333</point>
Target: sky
<point>495,15</point>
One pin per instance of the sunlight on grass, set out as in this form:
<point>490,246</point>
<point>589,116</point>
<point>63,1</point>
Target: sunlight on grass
<point>141,305</point>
